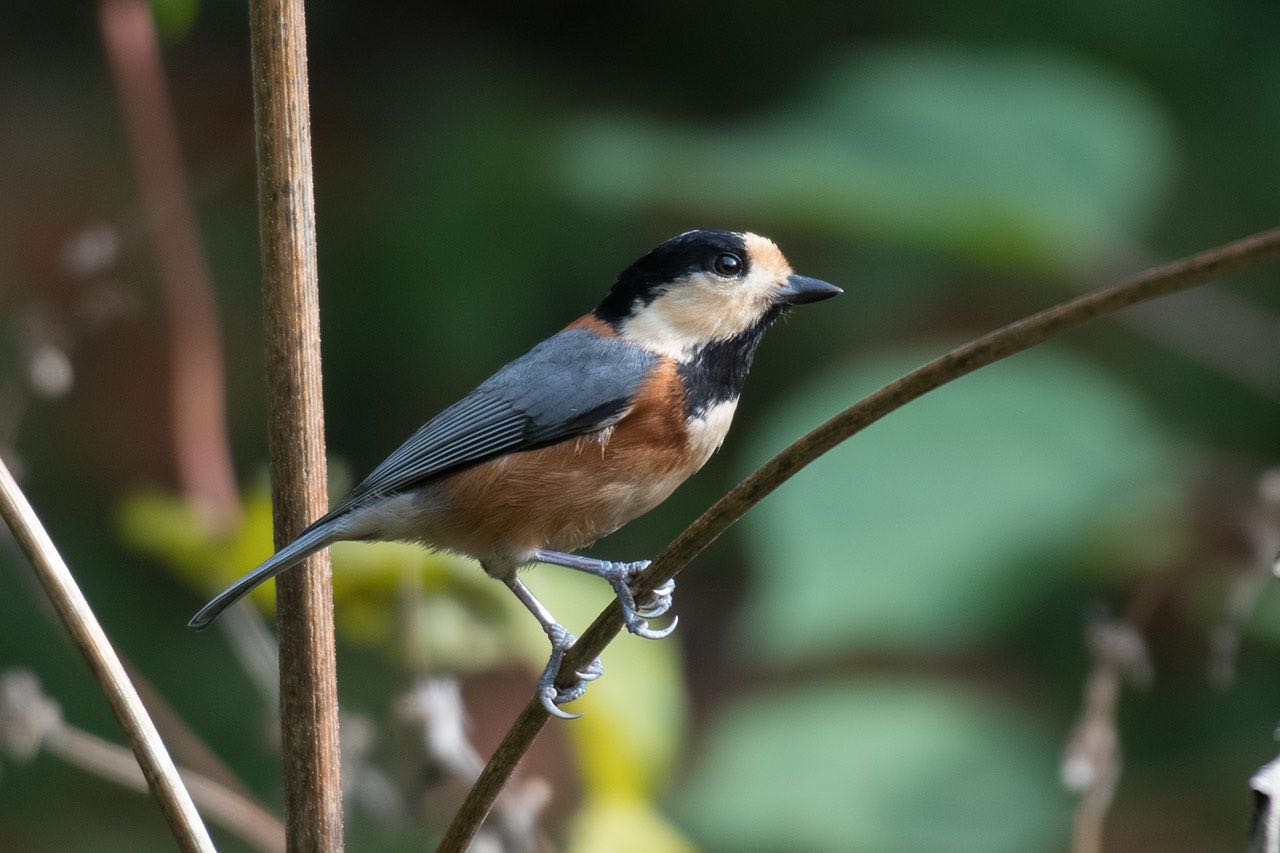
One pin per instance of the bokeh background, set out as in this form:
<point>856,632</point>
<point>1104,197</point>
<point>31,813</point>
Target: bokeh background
<point>893,651</point>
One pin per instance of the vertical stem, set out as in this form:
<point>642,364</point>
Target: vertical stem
<point>74,611</point>
<point>304,596</point>
<point>196,379</point>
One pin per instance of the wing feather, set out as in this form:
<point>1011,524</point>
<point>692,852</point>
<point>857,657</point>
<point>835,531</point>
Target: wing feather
<point>573,383</point>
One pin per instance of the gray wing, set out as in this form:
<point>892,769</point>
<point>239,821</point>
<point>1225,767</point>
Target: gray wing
<point>574,382</point>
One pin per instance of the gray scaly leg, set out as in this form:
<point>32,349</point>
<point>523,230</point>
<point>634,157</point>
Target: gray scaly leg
<point>561,639</point>
<point>620,576</point>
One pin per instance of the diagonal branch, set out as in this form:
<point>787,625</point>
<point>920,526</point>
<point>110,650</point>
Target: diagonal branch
<point>992,347</point>
<point>78,618</point>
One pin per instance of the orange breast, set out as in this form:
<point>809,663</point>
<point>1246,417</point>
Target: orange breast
<point>567,495</point>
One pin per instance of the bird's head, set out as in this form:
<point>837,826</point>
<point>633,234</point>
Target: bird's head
<point>702,287</point>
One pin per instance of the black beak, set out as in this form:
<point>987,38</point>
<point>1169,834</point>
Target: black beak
<point>800,289</point>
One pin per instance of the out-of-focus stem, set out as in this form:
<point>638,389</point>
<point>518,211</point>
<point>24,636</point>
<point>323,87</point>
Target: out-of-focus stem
<point>224,806</point>
<point>76,615</point>
<point>196,380</point>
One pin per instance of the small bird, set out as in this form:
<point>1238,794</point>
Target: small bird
<point>591,428</point>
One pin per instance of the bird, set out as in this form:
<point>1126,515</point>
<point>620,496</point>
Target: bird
<point>588,430</point>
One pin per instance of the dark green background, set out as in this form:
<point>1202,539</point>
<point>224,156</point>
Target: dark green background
<point>888,653</point>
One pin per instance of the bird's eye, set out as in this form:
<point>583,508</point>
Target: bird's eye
<point>728,265</point>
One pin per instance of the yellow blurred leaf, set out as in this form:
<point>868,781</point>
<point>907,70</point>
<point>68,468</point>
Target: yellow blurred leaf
<point>624,826</point>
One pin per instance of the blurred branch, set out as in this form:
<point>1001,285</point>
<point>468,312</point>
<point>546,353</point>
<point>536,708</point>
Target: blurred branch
<point>31,721</point>
<point>1249,583</point>
<point>1092,760</point>
<point>255,648</point>
<point>189,747</point>
<point>1221,331</point>
<point>1213,327</point>
<point>1002,343</point>
<point>196,379</point>
<point>197,366</point>
<point>78,618</point>
<point>291,303</point>
<point>434,712</point>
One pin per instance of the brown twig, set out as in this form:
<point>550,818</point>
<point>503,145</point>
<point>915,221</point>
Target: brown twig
<point>1006,341</point>
<point>291,302</point>
<point>78,618</point>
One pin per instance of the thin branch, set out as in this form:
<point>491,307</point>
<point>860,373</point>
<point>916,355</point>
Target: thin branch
<point>291,303</point>
<point>80,622</point>
<point>1092,759</point>
<point>433,712</point>
<point>1002,343</point>
<point>31,721</point>
<point>228,808</point>
<point>1249,583</point>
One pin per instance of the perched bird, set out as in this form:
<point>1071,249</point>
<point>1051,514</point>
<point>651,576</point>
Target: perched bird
<point>591,428</point>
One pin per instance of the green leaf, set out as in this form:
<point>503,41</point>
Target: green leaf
<point>938,524</point>
<point>1024,159</point>
<point>875,766</point>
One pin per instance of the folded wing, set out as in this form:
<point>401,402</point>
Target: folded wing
<point>573,383</point>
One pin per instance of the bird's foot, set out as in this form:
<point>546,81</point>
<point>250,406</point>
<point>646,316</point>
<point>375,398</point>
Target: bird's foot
<point>635,614</point>
<point>553,697</point>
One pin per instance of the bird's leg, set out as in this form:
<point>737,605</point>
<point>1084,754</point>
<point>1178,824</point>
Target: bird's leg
<point>561,640</point>
<point>620,576</point>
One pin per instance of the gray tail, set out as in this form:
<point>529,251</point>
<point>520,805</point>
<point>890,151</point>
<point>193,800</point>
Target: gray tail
<point>312,539</point>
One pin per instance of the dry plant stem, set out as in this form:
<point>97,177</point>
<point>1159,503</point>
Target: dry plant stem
<point>1006,341</point>
<point>1092,760</point>
<point>229,809</point>
<point>196,379</point>
<point>304,596</point>
<point>78,618</point>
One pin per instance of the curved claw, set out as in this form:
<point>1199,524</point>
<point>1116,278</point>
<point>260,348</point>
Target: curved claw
<point>548,699</point>
<point>659,606</point>
<point>620,576</point>
<point>551,696</point>
<point>593,670</point>
<point>665,589</point>
<point>642,630</point>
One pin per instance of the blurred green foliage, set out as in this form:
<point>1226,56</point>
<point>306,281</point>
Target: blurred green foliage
<point>930,769</point>
<point>939,525</point>
<point>886,654</point>
<point>1020,158</point>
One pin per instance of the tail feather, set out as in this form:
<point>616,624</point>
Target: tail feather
<point>315,537</point>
